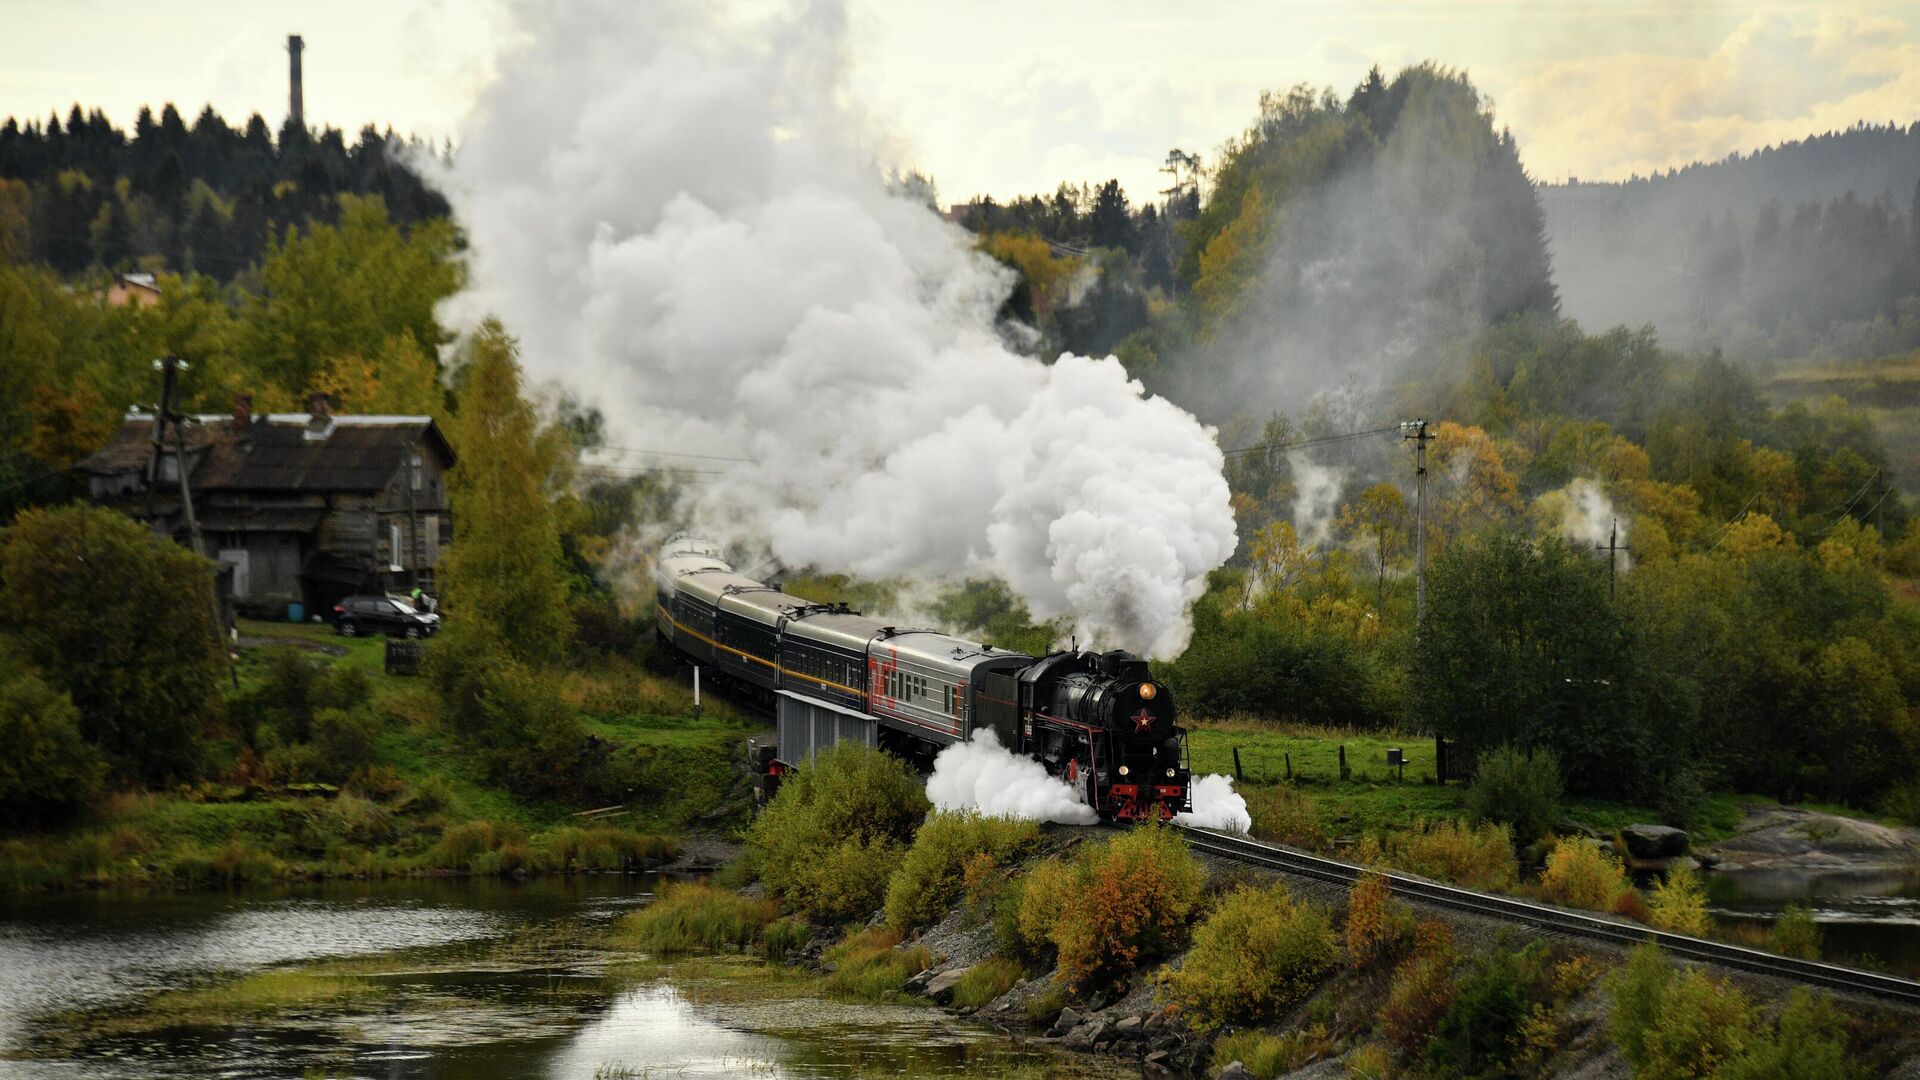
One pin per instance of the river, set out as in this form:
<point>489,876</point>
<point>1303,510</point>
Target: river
<point>470,979</point>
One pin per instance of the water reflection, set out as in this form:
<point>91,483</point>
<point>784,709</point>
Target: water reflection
<point>457,1008</point>
<point>1866,916</point>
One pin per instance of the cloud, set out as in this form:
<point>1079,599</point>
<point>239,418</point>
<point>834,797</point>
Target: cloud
<point>1775,76</point>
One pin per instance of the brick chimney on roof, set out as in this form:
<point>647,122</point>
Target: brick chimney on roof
<point>242,411</point>
<point>319,417</point>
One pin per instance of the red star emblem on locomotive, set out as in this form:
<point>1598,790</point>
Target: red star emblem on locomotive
<point>1143,721</point>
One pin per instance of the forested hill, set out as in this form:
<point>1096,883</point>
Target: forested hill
<point>168,196</point>
<point>1809,247</point>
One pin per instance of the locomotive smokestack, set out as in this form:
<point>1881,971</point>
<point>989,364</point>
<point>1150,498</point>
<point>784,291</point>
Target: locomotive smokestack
<point>295,114</point>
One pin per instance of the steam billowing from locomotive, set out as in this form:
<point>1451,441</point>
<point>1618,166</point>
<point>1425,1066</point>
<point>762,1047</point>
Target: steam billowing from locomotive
<point>677,216</point>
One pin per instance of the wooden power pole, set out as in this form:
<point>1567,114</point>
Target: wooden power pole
<point>1417,431</point>
<point>170,412</point>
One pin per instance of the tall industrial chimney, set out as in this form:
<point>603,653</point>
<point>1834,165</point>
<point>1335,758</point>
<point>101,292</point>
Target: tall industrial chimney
<point>294,112</point>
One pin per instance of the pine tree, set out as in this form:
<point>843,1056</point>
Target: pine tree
<point>503,578</point>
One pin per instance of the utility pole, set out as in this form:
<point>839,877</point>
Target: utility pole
<point>170,412</point>
<point>1417,431</point>
<point>296,111</point>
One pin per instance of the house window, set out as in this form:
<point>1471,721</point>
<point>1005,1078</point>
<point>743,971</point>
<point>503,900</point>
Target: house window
<point>394,558</point>
<point>413,461</point>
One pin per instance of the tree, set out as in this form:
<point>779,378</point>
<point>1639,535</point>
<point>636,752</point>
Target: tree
<point>1109,225</point>
<point>48,771</point>
<point>1378,519</point>
<point>118,618</point>
<point>504,578</point>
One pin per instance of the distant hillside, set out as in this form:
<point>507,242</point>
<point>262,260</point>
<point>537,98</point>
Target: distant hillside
<point>1805,248</point>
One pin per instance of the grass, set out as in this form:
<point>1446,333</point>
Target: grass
<point>695,917</point>
<point>238,1001</point>
<point>985,981</point>
<point>868,966</point>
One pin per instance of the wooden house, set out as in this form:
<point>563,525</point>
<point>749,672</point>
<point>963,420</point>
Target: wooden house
<point>305,507</point>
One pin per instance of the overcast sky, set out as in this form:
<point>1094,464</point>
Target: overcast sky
<point>1008,96</point>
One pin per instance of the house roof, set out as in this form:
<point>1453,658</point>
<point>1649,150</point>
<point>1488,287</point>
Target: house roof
<point>279,452</point>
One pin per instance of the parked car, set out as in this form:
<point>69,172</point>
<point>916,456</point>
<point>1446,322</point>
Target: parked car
<point>388,615</point>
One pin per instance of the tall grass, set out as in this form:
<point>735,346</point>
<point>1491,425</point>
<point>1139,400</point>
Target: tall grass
<point>694,916</point>
<point>869,965</point>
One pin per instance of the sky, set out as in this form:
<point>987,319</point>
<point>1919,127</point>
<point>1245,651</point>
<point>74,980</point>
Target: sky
<point>1013,96</point>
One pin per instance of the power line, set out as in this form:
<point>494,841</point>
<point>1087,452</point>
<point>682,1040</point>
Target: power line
<point>661,453</point>
<point>1318,441</point>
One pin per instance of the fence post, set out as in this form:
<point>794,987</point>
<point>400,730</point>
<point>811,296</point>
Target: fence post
<point>1343,763</point>
<point>1289,758</point>
<point>1237,775</point>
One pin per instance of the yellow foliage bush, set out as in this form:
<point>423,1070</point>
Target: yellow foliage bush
<point>1128,901</point>
<point>933,874</point>
<point>1259,954</point>
<point>1375,924</point>
<point>1475,857</point>
<point>1282,814</point>
<point>1679,904</point>
<point>1581,875</point>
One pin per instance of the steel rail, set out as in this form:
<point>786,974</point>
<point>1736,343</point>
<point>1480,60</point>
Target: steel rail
<point>1547,917</point>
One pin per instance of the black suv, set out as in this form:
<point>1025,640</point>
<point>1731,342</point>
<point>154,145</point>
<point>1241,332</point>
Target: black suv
<point>389,615</point>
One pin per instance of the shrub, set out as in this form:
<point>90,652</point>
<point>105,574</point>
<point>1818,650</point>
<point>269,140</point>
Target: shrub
<point>344,741</point>
<point>1578,874</point>
<point>1421,992</point>
<point>1669,1025</point>
<point>985,981</point>
<point>1370,1062</point>
<point>119,619</point>
<point>1631,905</point>
<point>1796,934</point>
<point>1375,924</point>
<point>830,840</point>
<point>694,916</point>
<point>1035,904</point>
<point>1479,1033</point>
<point>1479,857</point>
<point>1679,904</point>
<point>1519,789</point>
<point>345,686</point>
<point>1128,902</point>
<point>1045,1005</point>
<point>48,772</point>
<point>1811,1044</point>
<point>1282,814</point>
<point>933,873</point>
<point>460,844</point>
<point>1258,955</point>
<point>869,967</point>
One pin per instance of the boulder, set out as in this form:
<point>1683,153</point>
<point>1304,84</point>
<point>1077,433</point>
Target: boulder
<point>940,987</point>
<point>1087,1034</point>
<point>1065,1022</point>
<point>1128,1028</point>
<point>1156,1021</point>
<point>1234,1071</point>
<point>1654,841</point>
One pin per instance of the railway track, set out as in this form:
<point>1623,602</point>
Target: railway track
<point>1543,917</point>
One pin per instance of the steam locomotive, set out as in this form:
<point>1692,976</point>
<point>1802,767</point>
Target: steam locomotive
<point>1097,721</point>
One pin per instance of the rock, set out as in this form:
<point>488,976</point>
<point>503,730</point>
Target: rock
<point>1084,1036</point>
<point>1158,1062</point>
<point>1127,1028</point>
<point>1155,1021</point>
<point>940,987</point>
<point>1234,1071</point>
<point>1654,841</point>
<point>1065,1022</point>
<point>1569,827</point>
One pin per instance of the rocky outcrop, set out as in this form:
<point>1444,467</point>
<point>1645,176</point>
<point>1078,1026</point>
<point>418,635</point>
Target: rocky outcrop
<point>1654,841</point>
<point>1783,837</point>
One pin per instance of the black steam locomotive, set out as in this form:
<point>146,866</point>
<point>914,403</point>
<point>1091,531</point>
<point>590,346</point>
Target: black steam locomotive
<point>1098,721</point>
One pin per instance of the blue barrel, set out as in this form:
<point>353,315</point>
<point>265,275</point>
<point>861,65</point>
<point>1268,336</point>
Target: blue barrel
<point>296,613</point>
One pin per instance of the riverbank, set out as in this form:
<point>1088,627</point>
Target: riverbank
<point>420,803</point>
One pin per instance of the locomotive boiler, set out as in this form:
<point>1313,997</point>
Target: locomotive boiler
<point>1098,721</point>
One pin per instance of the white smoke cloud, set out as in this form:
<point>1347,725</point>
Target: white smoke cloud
<point>1315,500</point>
<point>985,776</point>
<point>1217,806</point>
<point>676,217</point>
<point>1582,513</point>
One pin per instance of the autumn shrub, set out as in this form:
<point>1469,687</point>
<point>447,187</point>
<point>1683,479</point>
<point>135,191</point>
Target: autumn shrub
<point>1476,857</point>
<point>1422,989</point>
<point>1483,1029</point>
<point>1025,918</point>
<point>868,965</point>
<point>1519,789</point>
<point>1670,1024</point>
<point>695,916</point>
<point>1257,955</point>
<point>827,845</point>
<point>984,982</point>
<point>1809,1043</point>
<point>1796,934</point>
<point>1376,925</point>
<point>1128,902</point>
<point>1372,1061</point>
<point>459,844</point>
<point>1578,874</point>
<point>932,875</point>
<point>1283,814</point>
<point>1679,903</point>
<point>1629,904</point>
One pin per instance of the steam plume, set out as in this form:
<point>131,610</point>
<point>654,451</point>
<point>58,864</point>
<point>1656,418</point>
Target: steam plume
<point>1217,806</point>
<point>673,212</point>
<point>985,776</point>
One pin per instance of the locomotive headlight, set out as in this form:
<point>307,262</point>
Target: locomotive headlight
<point>1123,770</point>
<point>1148,691</point>
<point>1169,774</point>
